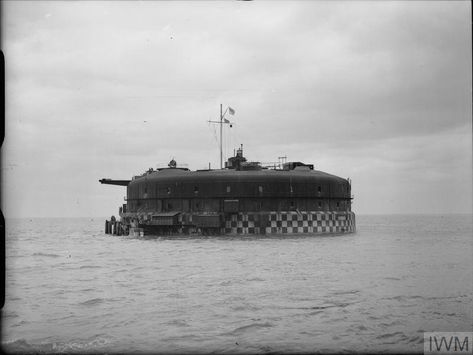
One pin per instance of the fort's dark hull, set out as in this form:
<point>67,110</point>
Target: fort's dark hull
<point>229,202</point>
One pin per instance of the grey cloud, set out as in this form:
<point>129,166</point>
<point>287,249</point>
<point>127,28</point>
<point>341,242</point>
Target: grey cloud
<point>112,90</point>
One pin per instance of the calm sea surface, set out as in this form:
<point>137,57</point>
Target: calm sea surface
<point>71,288</point>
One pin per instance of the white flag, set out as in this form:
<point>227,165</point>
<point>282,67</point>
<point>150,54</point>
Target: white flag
<point>231,111</point>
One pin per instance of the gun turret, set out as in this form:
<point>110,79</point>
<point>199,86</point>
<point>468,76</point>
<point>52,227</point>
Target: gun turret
<point>114,182</point>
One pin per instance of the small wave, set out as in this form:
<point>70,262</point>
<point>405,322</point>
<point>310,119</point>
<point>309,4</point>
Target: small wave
<point>87,289</point>
<point>250,327</point>
<point>226,283</point>
<point>20,323</point>
<point>68,316</point>
<point>404,298</point>
<point>255,279</point>
<point>390,324</point>
<point>92,343</point>
<point>416,340</point>
<point>265,349</point>
<point>316,307</point>
<point>90,267</point>
<point>350,292</point>
<point>59,292</point>
<point>92,302</point>
<point>74,345</point>
<point>245,308</point>
<point>178,323</point>
<point>9,314</point>
<point>15,298</point>
<point>315,313</point>
<point>389,335</point>
<point>19,345</point>
<point>183,338</point>
<point>136,293</point>
<point>47,254</point>
<point>337,305</point>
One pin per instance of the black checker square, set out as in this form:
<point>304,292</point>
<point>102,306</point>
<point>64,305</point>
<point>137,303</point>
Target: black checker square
<point>245,224</point>
<point>299,223</point>
<point>294,217</point>
<point>284,217</point>
<point>239,230</point>
<point>284,229</point>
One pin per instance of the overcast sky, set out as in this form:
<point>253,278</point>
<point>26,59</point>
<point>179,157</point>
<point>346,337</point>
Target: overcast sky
<point>376,91</point>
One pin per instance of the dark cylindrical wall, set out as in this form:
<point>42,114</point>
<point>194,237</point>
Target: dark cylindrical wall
<point>177,190</point>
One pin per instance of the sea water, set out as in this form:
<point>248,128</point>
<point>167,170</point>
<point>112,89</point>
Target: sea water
<point>71,288</point>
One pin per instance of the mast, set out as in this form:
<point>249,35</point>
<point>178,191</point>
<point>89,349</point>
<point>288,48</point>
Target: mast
<point>221,126</point>
<point>222,122</point>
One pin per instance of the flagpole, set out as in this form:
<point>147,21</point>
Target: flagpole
<point>221,125</point>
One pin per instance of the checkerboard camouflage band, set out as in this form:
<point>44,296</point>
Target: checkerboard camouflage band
<point>290,223</point>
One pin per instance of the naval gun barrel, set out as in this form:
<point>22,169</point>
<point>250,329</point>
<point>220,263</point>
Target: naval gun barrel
<point>114,182</point>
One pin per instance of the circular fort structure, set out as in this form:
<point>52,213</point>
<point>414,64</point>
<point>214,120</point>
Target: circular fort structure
<point>243,198</point>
